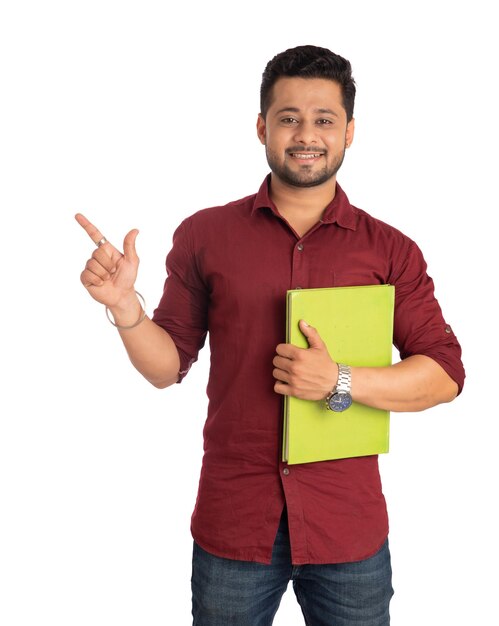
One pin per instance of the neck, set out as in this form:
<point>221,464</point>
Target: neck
<point>301,207</point>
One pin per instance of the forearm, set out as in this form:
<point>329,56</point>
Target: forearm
<point>150,348</point>
<point>414,384</point>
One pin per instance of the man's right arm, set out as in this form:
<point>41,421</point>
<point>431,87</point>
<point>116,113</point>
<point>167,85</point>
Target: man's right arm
<point>109,277</point>
<point>150,348</point>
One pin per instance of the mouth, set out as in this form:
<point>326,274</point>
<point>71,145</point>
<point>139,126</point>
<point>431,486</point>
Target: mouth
<point>305,156</point>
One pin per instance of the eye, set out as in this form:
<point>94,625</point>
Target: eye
<point>289,121</point>
<point>324,122</point>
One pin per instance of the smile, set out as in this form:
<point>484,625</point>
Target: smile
<point>305,156</point>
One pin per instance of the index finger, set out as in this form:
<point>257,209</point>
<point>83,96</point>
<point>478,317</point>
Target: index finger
<point>288,350</point>
<point>92,231</point>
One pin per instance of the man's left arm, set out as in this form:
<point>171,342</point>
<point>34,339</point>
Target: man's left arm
<point>430,371</point>
<point>416,383</point>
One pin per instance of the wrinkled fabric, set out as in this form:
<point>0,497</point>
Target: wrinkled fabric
<point>227,275</point>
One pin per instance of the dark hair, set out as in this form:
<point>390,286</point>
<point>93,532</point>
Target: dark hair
<point>309,62</point>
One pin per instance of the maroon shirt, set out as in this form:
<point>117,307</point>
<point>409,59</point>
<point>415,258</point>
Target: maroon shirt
<point>228,273</point>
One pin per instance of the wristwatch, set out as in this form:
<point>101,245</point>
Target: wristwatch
<point>340,399</point>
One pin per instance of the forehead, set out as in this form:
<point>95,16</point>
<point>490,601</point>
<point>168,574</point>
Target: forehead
<point>306,93</point>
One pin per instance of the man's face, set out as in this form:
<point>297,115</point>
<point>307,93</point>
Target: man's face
<point>305,131</point>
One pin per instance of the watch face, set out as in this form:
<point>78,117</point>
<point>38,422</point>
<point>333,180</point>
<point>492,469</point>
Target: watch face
<point>340,401</point>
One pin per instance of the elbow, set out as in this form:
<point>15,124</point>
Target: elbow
<point>442,391</point>
<point>450,391</point>
<point>445,388</point>
<point>162,380</point>
<point>163,383</point>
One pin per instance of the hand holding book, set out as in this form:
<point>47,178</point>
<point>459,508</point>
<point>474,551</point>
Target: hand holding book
<point>305,373</point>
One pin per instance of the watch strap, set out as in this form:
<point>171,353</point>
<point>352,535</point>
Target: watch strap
<point>344,383</point>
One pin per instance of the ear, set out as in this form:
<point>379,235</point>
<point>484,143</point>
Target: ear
<point>350,133</point>
<point>261,128</point>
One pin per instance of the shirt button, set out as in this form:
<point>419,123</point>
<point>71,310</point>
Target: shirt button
<point>299,247</point>
<point>285,471</point>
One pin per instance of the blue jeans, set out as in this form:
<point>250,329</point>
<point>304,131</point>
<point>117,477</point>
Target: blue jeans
<point>242,593</point>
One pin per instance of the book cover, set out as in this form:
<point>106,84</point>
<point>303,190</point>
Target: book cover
<point>356,324</point>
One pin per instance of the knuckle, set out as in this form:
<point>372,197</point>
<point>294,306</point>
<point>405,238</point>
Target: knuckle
<point>295,369</point>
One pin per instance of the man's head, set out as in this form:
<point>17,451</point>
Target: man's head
<point>309,62</point>
<point>306,119</point>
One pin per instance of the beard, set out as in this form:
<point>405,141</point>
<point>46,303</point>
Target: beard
<point>305,175</point>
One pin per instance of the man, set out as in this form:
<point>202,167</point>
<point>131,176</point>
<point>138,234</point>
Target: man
<point>258,523</point>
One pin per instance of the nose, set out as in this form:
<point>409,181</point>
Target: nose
<point>305,133</point>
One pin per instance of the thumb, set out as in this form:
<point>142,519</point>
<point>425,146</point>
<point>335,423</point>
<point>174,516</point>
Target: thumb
<point>129,250</point>
<point>311,334</point>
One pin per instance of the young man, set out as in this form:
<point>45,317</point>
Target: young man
<point>258,523</point>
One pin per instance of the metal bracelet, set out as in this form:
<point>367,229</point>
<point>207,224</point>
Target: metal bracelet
<point>141,318</point>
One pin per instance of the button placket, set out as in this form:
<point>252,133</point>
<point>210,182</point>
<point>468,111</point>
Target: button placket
<point>299,266</point>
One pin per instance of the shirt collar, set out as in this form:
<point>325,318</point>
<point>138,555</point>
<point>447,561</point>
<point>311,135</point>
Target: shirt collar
<point>338,211</point>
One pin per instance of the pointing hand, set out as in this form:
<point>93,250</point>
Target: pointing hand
<point>109,276</point>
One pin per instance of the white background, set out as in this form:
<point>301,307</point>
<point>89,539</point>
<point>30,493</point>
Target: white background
<point>138,114</point>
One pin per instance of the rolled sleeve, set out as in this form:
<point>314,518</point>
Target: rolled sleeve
<point>419,325</point>
<point>183,308</point>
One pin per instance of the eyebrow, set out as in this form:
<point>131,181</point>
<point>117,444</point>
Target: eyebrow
<point>297,110</point>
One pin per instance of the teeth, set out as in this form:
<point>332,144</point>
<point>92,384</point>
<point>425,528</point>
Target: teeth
<point>306,156</point>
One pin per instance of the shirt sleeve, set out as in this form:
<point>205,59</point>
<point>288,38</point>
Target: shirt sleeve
<point>419,325</point>
<point>183,308</point>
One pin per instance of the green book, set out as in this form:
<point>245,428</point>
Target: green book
<point>356,324</point>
